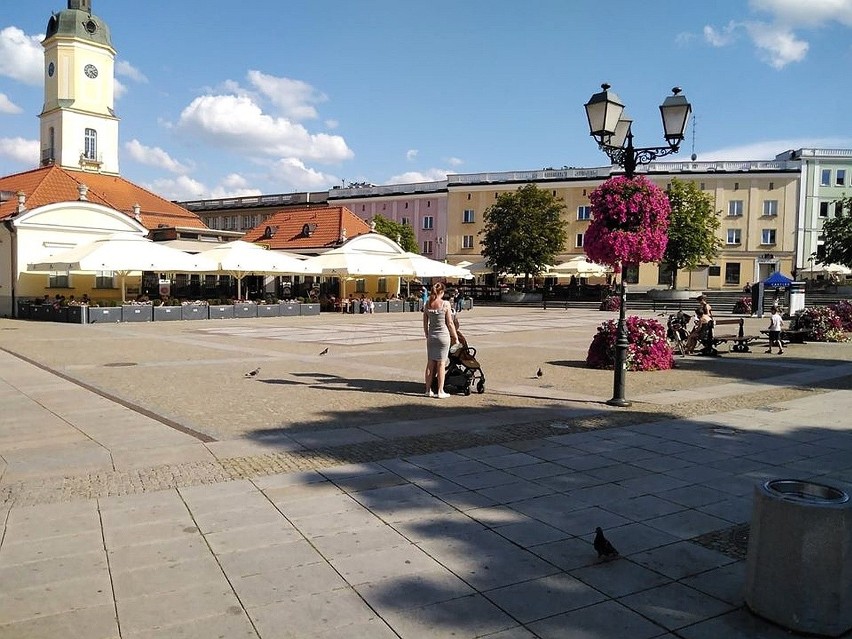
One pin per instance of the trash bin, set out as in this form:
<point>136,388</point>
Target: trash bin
<point>799,562</point>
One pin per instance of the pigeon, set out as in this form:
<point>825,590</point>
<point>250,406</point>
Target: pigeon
<point>324,351</point>
<point>603,545</point>
<point>539,373</point>
<point>253,373</point>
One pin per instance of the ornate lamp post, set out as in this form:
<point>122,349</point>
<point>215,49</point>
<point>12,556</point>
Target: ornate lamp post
<point>610,126</point>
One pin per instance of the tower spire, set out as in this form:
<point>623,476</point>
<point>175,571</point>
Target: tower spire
<point>82,5</point>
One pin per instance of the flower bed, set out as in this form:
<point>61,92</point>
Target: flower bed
<point>844,312</point>
<point>822,323</point>
<point>742,306</point>
<point>610,303</point>
<point>648,349</point>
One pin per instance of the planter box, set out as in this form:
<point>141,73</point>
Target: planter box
<point>467,304</point>
<point>268,310</point>
<point>513,297</point>
<point>380,307</point>
<point>57,314</point>
<point>245,310</point>
<point>413,306</point>
<point>289,309</point>
<point>309,308</point>
<point>25,310</point>
<point>78,314</point>
<point>104,314</point>
<point>395,306</point>
<point>221,311</point>
<point>141,313</point>
<point>39,312</point>
<point>193,312</point>
<point>670,295</point>
<point>167,313</point>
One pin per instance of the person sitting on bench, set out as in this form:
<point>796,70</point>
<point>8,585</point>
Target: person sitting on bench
<point>702,321</point>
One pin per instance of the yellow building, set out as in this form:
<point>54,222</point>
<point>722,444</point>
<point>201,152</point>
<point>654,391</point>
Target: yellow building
<point>756,202</point>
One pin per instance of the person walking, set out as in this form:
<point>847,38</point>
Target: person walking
<point>440,333</point>
<point>775,322</point>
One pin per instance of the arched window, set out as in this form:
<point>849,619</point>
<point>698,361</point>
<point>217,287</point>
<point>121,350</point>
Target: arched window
<point>91,145</point>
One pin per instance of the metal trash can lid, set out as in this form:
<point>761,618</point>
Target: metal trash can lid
<point>806,491</point>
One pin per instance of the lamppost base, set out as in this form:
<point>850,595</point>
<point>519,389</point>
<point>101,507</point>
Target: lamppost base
<point>617,401</point>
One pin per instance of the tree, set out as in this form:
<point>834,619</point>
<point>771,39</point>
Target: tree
<point>692,228</point>
<point>524,231</point>
<point>403,234</point>
<point>837,236</point>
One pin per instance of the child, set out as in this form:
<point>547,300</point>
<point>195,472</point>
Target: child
<point>775,330</point>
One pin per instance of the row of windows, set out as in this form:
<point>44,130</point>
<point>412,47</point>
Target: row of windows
<point>825,208</point>
<point>767,236</point>
<point>385,206</point>
<point>735,208</point>
<point>664,273</point>
<point>839,177</point>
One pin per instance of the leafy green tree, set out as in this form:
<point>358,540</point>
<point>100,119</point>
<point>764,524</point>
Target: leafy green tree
<point>401,233</point>
<point>524,231</point>
<point>692,228</point>
<point>837,236</point>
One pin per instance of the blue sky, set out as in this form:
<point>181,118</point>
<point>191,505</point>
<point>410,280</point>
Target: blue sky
<point>221,98</point>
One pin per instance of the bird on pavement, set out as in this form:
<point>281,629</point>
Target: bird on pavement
<point>539,373</point>
<point>253,373</point>
<point>603,545</point>
<point>324,351</point>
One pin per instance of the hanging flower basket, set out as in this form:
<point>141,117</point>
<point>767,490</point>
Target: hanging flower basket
<point>630,220</point>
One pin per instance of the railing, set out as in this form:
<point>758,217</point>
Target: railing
<point>720,167</point>
<point>390,189</point>
<point>529,176</point>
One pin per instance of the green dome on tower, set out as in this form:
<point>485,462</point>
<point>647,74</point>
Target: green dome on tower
<point>77,21</point>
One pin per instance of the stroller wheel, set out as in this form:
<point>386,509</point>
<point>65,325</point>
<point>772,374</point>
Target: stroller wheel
<point>467,390</point>
<point>480,386</point>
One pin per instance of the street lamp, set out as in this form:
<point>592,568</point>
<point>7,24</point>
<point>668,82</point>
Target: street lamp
<point>610,126</point>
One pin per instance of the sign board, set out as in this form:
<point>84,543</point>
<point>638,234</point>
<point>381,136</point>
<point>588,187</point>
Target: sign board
<point>165,288</point>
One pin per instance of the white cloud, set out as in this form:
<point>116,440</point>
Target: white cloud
<point>768,149</point>
<point>411,154</point>
<point>293,173</point>
<point>293,98</point>
<point>119,89</point>
<point>332,124</point>
<point>154,156</point>
<point>7,106</point>
<point>20,150</point>
<point>21,56</point>
<point>410,177</point>
<point>778,46</point>
<point>778,39</point>
<point>180,188</point>
<point>127,70</point>
<point>454,161</point>
<point>239,123</point>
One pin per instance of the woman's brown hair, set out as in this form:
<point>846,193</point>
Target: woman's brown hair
<point>437,289</point>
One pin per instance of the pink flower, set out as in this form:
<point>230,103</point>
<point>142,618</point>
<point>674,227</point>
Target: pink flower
<point>648,348</point>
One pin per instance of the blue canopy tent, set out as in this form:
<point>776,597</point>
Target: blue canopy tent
<point>777,280</point>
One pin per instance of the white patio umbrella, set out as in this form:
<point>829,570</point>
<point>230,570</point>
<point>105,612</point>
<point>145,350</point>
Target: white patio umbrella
<point>339,262</point>
<point>124,253</point>
<point>421,266</point>
<point>239,259</point>
<point>580,267</point>
<point>831,269</point>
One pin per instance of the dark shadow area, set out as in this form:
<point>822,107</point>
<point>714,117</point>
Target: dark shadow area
<point>510,526</point>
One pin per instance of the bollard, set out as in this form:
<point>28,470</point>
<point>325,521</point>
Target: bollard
<point>799,562</point>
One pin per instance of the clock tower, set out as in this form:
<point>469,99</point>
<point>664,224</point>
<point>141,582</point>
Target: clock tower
<point>79,129</point>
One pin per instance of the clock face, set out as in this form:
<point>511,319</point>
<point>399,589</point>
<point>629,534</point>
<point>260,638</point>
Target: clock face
<point>50,69</point>
<point>91,71</point>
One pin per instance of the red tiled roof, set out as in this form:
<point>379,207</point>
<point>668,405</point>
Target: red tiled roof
<point>288,225</point>
<point>53,184</point>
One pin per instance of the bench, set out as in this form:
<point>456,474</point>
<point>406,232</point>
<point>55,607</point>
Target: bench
<point>740,342</point>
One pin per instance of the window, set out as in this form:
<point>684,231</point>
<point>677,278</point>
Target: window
<point>631,272</point>
<point>247,222</point>
<point>665,275</point>
<point>838,209</point>
<point>428,204</point>
<point>735,208</point>
<point>840,177</point>
<point>406,205</point>
<point>732,273</point>
<point>405,221</point>
<point>467,241</point>
<point>468,196</point>
<point>382,285</point>
<point>427,247</point>
<point>736,186</point>
<point>360,285</point>
<point>104,279</point>
<point>772,186</point>
<point>767,236</point>
<point>714,271</point>
<point>825,177</point>
<point>823,209</point>
<point>467,216</point>
<point>703,186</point>
<point>770,207</point>
<point>58,279</point>
<point>428,222</point>
<point>734,236</point>
<point>578,242</point>
<point>584,212</point>
<point>91,144</point>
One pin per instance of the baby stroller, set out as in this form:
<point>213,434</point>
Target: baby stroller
<point>463,371</point>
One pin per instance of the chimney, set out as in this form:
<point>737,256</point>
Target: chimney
<point>83,190</point>
<point>137,212</point>
<point>22,198</point>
